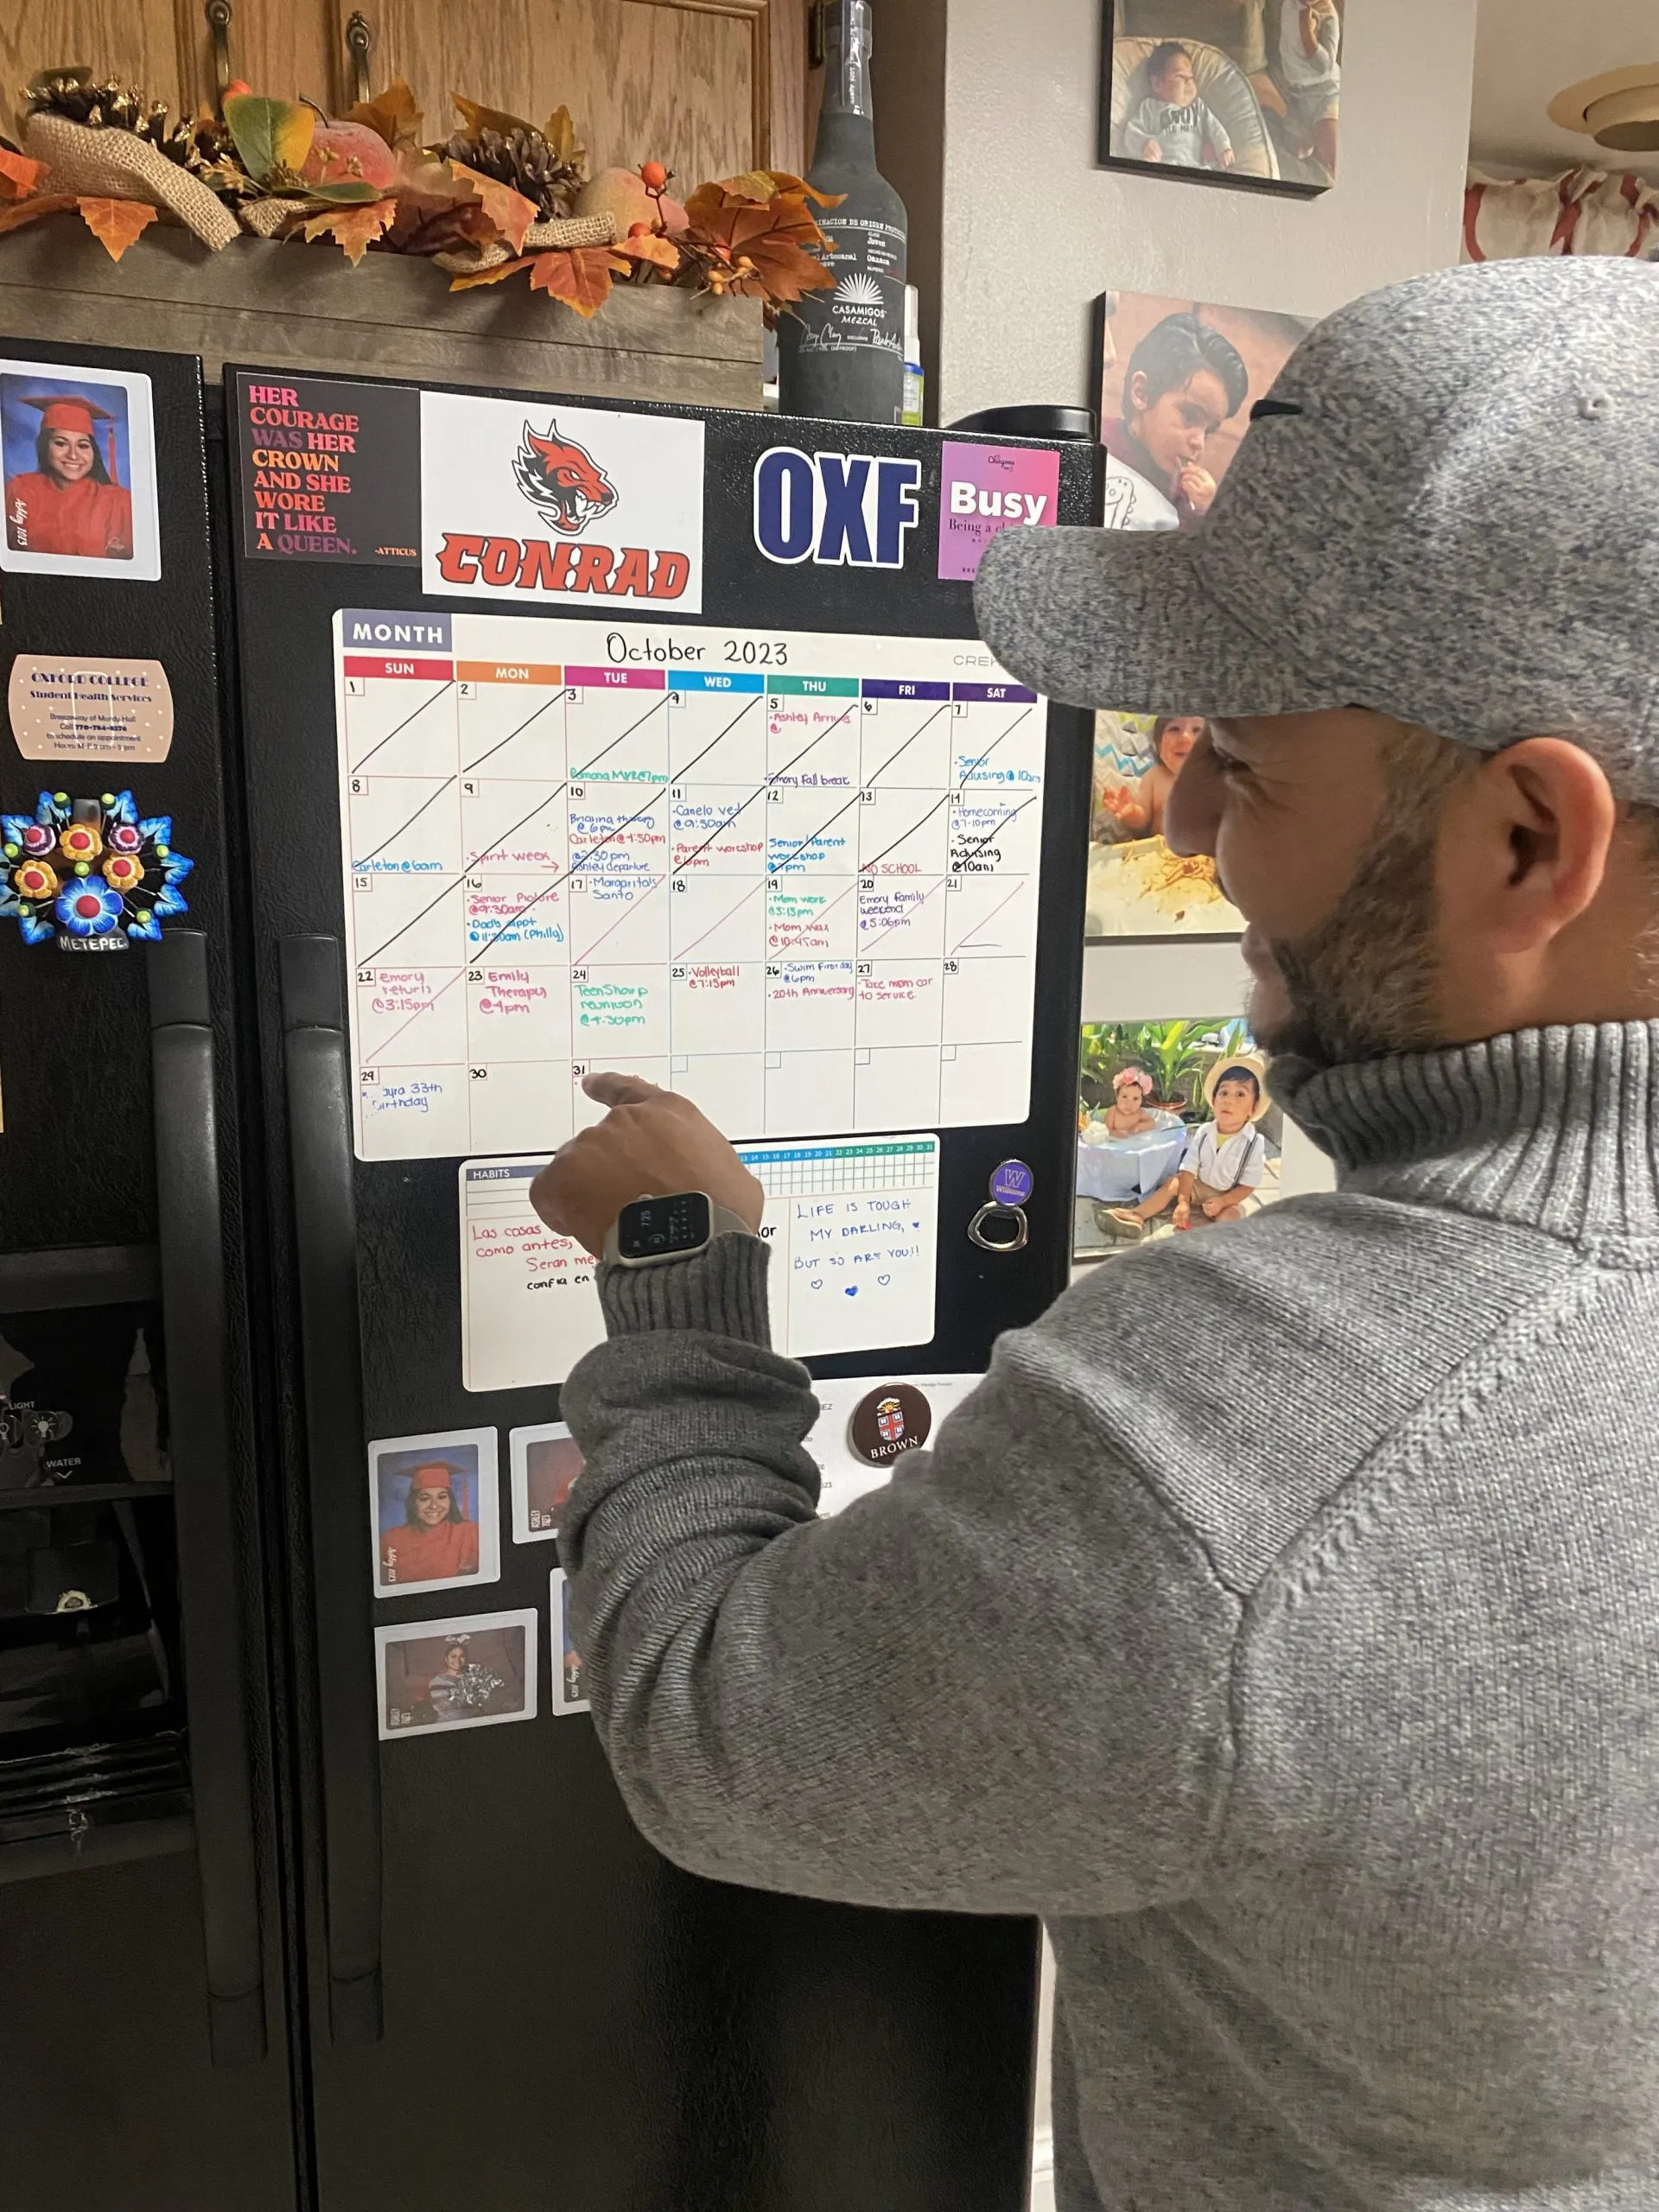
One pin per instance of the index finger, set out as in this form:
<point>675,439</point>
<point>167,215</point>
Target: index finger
<point>612,1090</point>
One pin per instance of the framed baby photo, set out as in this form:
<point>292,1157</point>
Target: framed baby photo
<point>437,1511</point>
<point>1174,383</point>
<point>80,469</point>
<point>1177,1132</point>
<point>1138,887</point>
<point>1239,92</point>
<point>438,1677</point>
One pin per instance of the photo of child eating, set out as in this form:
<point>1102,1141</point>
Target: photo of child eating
<point>1137,886</point>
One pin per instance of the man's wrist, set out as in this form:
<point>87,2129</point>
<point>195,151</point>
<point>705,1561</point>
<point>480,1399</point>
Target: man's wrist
<point>720,1289</point>
<point>657,1231</point>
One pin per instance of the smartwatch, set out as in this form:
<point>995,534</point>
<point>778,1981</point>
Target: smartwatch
<point>653,1230</point>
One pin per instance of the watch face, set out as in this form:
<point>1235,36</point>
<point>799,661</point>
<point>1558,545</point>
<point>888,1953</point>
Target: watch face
<point>656,1229</point>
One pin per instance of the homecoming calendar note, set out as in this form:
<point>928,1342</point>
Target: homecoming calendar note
<point>792,874</point>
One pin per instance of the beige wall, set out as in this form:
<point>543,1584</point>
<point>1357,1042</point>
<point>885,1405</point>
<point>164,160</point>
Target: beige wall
<point>1030,229</point>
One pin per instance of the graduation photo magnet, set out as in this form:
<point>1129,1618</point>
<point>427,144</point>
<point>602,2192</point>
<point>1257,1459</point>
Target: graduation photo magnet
<point>79,473</point>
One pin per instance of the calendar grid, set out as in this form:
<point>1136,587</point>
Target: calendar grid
<point>806,899</point>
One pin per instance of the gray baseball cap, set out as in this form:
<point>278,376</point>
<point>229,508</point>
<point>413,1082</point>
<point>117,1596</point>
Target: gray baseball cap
<point>1447,510</point>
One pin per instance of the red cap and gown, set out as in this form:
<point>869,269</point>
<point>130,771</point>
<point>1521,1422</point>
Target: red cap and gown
<point>84,520</point>
<point>414,1552</point>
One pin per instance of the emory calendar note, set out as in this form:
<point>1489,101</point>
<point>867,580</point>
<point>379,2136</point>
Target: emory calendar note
<point>792,874</point>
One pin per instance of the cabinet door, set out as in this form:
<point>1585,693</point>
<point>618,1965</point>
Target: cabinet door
<point>710,86</point>
<point>289,48</point>
<point>136,41</point>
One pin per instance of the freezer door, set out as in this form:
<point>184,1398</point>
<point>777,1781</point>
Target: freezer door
<point>145,2038</point>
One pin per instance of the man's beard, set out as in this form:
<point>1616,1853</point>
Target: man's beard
<point>1362,984</point>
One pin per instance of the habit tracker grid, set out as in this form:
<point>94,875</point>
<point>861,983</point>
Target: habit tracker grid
<point>792,874</point>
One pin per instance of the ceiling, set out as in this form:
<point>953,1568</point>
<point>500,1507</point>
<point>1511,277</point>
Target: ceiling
<point>1527,51</point>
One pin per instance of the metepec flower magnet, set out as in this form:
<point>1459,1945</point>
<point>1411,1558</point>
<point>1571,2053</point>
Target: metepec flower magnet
<point>92,872</point>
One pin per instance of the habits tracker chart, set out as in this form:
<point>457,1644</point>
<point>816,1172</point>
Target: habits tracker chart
<point>853,1225</point>
<point>792,874</point>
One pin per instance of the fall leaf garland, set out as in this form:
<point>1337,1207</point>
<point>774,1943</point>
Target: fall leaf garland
<point>481,190</point>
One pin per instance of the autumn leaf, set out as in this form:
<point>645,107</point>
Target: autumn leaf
<point>19,177</point>
<point>492,275</point>
<point>560,133</point>
<point>478,118</point>
<point>762,185</point>
<point>116,223</point>
<point>733,217</point>
<point>754,184</point>
<point>350,191</point>
<point>271,135</point>
<point>436,210</point>
<point>30,211</point>
<point>509,212</point>
<point>760,253</point>
<point>579,276</point>
<point>392,115</point>
<point>353,229</point>
<point>651,246</point>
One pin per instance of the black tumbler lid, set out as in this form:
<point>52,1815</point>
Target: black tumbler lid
<point>1030,421</point>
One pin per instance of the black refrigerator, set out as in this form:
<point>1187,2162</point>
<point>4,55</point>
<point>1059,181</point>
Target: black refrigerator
<point>512,738</point>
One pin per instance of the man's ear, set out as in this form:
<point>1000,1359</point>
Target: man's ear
<point>1134,394</point>
<point>1546,816</point>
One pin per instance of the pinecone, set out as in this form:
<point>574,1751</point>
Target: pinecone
<point>525,160</point>
<point>202,146</point>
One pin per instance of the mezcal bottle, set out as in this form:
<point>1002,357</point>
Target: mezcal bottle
<point>842,353</point>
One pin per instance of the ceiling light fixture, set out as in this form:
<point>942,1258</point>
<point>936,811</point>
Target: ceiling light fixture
<point>1618,109</point>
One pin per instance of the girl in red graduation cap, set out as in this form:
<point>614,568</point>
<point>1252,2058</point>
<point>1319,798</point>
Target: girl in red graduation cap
<point>69,503</point>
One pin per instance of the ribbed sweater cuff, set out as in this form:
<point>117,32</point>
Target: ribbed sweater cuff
<point>722,1289</point>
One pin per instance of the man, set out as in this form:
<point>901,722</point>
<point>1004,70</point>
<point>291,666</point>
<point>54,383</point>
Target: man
<point>1280,1619</point>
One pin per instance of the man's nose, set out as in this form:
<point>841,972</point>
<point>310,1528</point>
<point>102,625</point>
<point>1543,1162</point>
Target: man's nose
<point>1193,810</point>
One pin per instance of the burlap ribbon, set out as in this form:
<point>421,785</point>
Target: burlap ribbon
<point>540,238</point>
<point>114,164</point>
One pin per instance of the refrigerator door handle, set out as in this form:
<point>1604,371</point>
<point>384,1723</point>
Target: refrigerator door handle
<point>190,1235</point>
<point>316,1058</point>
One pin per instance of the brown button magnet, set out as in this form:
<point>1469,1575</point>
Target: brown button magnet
<point>893,1418</point>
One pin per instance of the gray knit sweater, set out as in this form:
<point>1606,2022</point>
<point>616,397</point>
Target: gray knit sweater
<point>1279,1620</point>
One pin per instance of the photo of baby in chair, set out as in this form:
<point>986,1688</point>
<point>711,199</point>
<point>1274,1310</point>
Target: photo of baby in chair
<point>1177,1132</point>
<point>1245,90</point>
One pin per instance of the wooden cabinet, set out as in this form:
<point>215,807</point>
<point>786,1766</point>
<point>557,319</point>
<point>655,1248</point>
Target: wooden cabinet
<point>137,40</point>
<point>710,86</point>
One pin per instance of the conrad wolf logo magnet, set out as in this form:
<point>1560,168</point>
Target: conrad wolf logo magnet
<point>520,504</point>
<point>562,480</point>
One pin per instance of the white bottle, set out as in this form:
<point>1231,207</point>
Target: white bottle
<point>914,380</point>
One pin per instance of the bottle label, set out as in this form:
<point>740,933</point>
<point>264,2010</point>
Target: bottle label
<point>862,242</point>
<point>867,308</point>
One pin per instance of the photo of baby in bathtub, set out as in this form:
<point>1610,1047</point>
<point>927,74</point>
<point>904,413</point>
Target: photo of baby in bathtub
<point>1176,1132</point>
